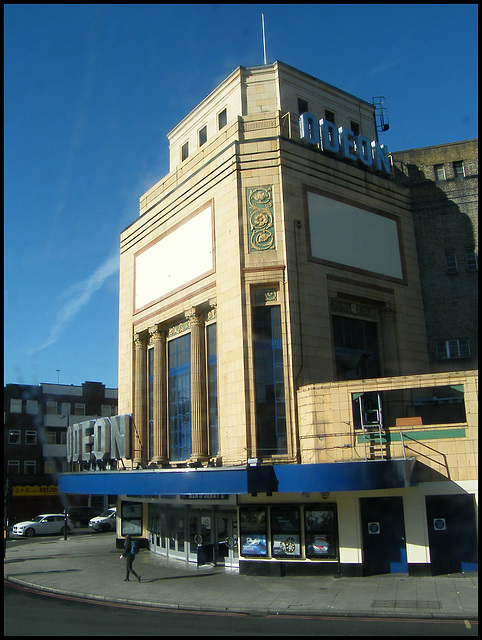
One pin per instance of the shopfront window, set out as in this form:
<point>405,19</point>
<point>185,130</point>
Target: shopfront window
<point>293,531</point>
<point>320,532</point>
<point>285,531</point>
<point>253,531</point>
<point>131,515</point>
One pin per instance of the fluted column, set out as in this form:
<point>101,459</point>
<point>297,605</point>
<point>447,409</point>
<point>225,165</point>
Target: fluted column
<point>199,440</point>
<point>139,439</point>
<point>158,341</point>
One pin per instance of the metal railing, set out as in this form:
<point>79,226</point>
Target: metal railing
<point>404,436</point>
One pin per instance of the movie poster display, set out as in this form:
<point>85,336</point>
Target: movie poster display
<point>285,531</point>
<point>320,532</point>
<point>253,531</point>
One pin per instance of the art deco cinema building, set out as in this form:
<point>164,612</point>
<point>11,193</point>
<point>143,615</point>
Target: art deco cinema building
<point>272,347</point>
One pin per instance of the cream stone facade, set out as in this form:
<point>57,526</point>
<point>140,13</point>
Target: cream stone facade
<point>272,347</point>
<point>256,169</point>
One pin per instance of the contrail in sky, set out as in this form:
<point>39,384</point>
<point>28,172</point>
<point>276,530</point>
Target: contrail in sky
<point>79,295</point>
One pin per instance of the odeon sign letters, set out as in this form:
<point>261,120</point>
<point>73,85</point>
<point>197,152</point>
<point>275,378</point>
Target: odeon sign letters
<point>324,135</point>
<point>102,439</point>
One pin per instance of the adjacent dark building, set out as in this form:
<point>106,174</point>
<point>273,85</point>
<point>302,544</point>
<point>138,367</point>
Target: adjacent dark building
<point>444,190</point>
<point>35,435</point>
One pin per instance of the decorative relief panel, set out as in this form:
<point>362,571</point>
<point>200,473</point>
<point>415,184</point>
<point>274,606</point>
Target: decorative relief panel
<point>178,329</point>
<point>261,218</point>
<point>353,308</point>
<point>261,296</point>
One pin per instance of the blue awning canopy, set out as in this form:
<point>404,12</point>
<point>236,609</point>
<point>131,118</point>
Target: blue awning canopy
<point>283,478</point>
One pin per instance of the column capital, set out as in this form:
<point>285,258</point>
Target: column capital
<point>139,340</point>
<point>156,334</point>
<point>194,317</point>
<point>212,310</point>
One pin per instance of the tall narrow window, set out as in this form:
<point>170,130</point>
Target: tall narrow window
<point>451,262</point>
<point>439,171</point>
<point>106,410</point>
<point>16,405</point>
<point>212,385</point>
<point>302,106</point>
<point>185,151</point>
<point>356,348</point>
<point>13,467</point>
<point>471,259</point>
<point>330,116</point>
<point>51,407</point>
<point>203,136</point>
<point>29,467</point>
<point>32,407</point>
<point>459,169</point>
<point>30,437</point>
<point>179,393</point>
<point>14,436</point>
<point>355,127</point>
<point>79,409</point>
<point>222,119</point>
<point>150,387</point>
<point>269,381</point>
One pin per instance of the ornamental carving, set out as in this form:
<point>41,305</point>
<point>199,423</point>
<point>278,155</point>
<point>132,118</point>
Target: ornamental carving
<point>265,295</point>
<point>155,334</point>
<point>139,341</point>
<point>353,308</point>
<point>178,329</point>
<point>261,218</point>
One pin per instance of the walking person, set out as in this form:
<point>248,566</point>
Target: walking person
<point>129,555</point>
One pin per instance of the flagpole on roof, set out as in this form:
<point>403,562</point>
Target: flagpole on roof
<point>264,39</point>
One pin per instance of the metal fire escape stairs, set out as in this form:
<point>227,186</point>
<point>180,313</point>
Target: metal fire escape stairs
<point>371,420</point>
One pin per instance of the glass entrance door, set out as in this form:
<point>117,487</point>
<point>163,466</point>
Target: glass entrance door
<point>167,531</point>
<point>193,534</point>
<point>226,548</point>
<point>200,537</point>
<point>177,537</point>
<point>213,537</point>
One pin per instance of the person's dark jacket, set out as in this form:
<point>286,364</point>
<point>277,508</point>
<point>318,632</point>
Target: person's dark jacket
<point>127,547</point>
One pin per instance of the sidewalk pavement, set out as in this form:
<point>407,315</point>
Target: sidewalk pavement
<point>87,566</point>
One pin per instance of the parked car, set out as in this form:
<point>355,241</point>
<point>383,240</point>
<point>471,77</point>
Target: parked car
<point>80,516</point>
<point>105,522</point>
<point>45,523</point>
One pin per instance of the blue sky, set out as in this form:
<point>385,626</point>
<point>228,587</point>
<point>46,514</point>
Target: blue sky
<point>91,92</point>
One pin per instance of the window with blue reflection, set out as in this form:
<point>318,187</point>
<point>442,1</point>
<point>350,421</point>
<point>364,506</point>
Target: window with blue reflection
<point>150,374</point>
<point>179,397</point>
<point>269,381</point>
<point>212,385</point>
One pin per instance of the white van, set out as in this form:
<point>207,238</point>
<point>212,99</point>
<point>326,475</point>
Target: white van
<point>105,522</point>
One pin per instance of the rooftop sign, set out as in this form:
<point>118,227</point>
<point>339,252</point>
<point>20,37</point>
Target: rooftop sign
<point>342,141</point>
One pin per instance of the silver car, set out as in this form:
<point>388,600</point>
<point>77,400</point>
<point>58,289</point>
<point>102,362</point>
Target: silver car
<point>105,522</point>
<point>45,523</point>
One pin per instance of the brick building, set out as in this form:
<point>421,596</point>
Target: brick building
<point>444,190</point>
<point>36,418</point>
